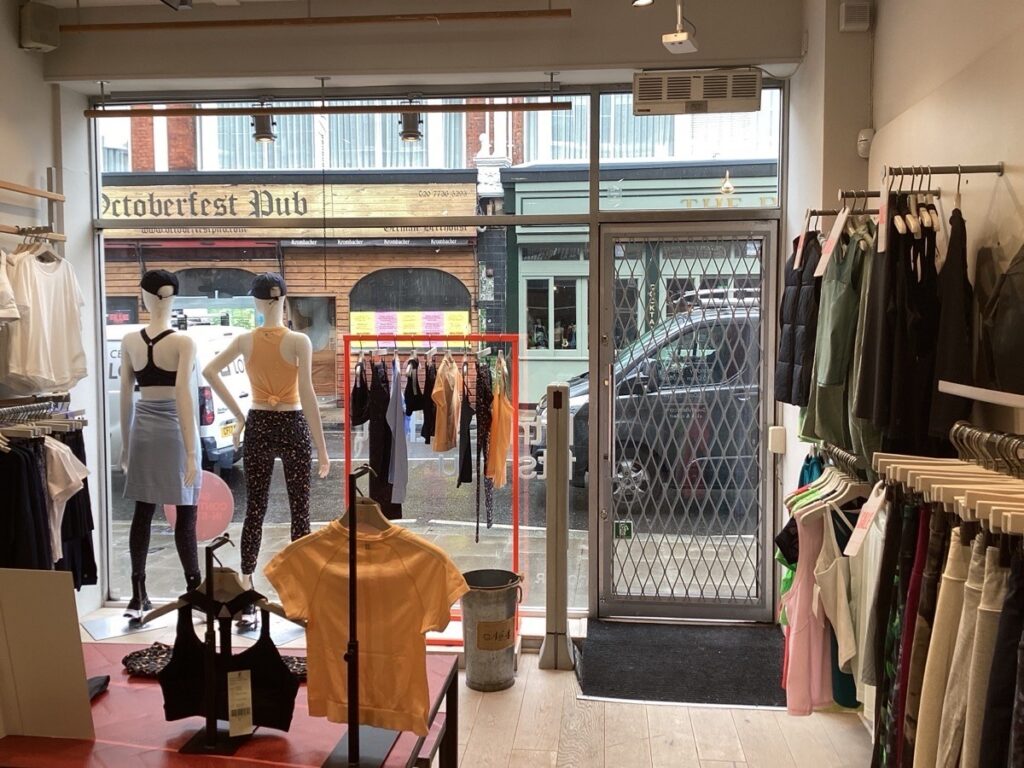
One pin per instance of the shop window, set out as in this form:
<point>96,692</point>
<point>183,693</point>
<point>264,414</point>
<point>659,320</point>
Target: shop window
<point>373,141</point>
<point>408,289</point>
<point>565,314</point>
<point>538,318</point>
<point>122,310</point>
<point>627,308</point>
<point>554,318</point>
<point>228,144</point>
<point>215,282</point>
<point>680,295</point>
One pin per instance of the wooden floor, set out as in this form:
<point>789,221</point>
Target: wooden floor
<point>540,723</point>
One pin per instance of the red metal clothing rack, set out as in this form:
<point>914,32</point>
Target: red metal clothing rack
<point>451,340</point>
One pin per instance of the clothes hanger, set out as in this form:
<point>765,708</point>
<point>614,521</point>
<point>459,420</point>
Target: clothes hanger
<point>924,211</point>
<point>911,218</point>
<point>897,219</point>
<point>957,200</point>
<point>226,587</point>
<point>367,511</point>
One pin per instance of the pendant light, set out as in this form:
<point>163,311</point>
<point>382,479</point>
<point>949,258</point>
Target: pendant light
<point>727,187</point>
<point>642,3</point>
<point>263,126</point>
<point>410,124</point>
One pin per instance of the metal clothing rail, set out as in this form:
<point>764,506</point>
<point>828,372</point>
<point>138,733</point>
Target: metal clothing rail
<point>350,341</point>
<point>941,170</point>
<point>858,194</point>
<point>837,211</point>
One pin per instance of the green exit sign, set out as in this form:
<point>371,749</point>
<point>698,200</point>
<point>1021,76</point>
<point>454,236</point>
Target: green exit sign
<point>623,529</point>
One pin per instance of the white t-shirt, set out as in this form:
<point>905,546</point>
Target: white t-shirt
<point>64,476</point>
<point>45,346</point>
<point>8,305</point>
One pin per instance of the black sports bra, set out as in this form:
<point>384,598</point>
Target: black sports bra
<point>152,375</point>
<point>182,681</point>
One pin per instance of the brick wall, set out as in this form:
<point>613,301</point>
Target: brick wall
<point>142,144</point>
<point>181,143</point>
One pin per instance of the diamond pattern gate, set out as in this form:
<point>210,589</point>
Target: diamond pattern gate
<point>682,483</point>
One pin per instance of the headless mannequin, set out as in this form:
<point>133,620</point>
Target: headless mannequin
<point>296,349</point>
<point>175,352</point>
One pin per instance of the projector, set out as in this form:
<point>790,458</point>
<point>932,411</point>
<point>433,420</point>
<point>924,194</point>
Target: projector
<point>679,42</point>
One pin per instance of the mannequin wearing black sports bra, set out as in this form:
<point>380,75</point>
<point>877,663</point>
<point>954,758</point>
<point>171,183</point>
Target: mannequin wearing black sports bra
<point>152,375</point>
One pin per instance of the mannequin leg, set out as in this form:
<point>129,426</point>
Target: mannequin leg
<point>185,543</point>
<point>138,549</point>
<point>258,454</point>
<point>296,456</point>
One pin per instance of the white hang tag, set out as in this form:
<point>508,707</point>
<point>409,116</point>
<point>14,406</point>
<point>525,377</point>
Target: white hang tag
<point>883,222</point>
<point>867,516</point>
<point>240,703</point>
<point>798,258</point>
<point>832,241</point>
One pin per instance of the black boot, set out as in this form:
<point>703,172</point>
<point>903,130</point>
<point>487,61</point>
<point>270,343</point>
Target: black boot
<point>139,604</point>
<point>192,581</point>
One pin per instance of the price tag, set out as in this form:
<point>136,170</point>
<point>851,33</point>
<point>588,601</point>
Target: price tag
<point>832,241</point>
<point>798,257</point>
<point>239,703</point>
<point>867,516</point>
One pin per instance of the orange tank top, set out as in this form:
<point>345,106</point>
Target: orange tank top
<point>274,380</point>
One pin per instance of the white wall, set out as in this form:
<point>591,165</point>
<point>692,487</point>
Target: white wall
<point>957,100</point>
<point>30,141</point>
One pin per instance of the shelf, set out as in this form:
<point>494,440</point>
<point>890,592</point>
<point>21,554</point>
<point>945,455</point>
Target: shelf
<point>21,189</point>
<point>1007,399</point>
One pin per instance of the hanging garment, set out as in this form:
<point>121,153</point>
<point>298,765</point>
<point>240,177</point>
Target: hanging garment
<point>65,476</point>
<point>484,403</point>
<point>954,356</point>
<point>828,408</point>
<point>876,367</point>
<point>78,556</point>
<point>1004,318</point>
<point>24,524</point>
<point>157,458</point>
<point>938,544</point>
<point>501,429</point>
<point>45,350</point>
<point>429,409</point>
<point>946,629</point>
<point>865,437</point>
<point>808,668</point>
<point>909,626</point>
<point>398,464</point>
<point>183,680</point>
<point>835,587</point>
<point>987,274</point>
<point>414,400</point>
<point>447,402</point>
<point>954,706</point>
<point>8,304</point>
<point>798,322</point>
<point>465,442</point>
<point>993,595</point>
<point>396,569</point>
<point>380,442</point>
<point>996,728</point>
<point>274,380</point>
<point>882,599</point>
<point>360,399</point>
<point>151,374</point>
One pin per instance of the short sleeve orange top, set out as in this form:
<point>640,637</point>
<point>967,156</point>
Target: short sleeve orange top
<point>406,589</point>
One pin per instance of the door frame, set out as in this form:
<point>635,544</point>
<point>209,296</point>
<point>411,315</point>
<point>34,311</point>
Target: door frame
<point>601,422</point>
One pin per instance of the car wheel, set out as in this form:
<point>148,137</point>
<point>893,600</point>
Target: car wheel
<point>631,483</point>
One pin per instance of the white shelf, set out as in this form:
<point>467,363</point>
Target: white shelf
<point>1008,399</point>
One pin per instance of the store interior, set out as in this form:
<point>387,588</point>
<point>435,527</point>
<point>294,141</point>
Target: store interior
<point>662,359</point>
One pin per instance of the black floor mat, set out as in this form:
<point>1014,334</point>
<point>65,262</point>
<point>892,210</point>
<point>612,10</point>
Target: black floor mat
<point>735,665</point>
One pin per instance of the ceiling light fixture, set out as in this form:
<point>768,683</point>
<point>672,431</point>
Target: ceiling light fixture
<point>410,124</point>
<point>263,127</point>
<point>727,187</point>
<point>642,3</point>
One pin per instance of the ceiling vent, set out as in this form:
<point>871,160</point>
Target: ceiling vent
<point>675,92</point>
<point>855,16</point>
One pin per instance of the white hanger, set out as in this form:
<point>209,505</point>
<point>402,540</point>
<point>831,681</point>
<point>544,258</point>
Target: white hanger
<point>226,586</point>
<point>368,516</point>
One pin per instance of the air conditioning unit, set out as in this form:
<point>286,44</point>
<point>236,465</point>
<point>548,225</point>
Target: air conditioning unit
<point>855,16</point>
<point>40,27</point>
<point>677,92</point>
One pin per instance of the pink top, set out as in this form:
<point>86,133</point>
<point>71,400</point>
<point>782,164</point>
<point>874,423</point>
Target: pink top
<point>808,664</point>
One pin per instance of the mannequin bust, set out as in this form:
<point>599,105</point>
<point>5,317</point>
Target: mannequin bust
<point>283,421</point>
<point>159,433</point>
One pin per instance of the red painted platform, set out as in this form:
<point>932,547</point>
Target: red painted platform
<point>131,730</point>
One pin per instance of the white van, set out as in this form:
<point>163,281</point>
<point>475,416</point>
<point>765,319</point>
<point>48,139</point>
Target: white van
<point>216,422</point>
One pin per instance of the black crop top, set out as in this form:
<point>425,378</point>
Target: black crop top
<point>152,375</point>
<point>182,681</point>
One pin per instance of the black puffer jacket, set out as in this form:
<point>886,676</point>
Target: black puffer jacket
<point>798,324</point>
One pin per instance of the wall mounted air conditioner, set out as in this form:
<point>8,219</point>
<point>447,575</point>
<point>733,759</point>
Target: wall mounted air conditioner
<point>678,92</point>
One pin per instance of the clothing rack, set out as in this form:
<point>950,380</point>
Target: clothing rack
<point>837,211</point>
<point>848,462</point>
<point>998,451</point>
<point>942,170</point>
<point>857,194</point>
<point>53,197</point>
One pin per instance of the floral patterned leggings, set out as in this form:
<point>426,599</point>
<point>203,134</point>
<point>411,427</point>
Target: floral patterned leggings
<point>270,435</point>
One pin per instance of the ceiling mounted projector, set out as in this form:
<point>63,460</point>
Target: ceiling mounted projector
<point>684,39</point>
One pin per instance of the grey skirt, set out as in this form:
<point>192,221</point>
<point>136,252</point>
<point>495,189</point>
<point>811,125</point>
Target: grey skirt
<point>156,456</point>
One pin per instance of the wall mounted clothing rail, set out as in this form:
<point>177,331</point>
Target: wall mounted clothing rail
<point>42,233</point>
<point>941,170</point>
<point>332,109</point>
<point>864,194</point>
<point>21,189</point>
<point>837,211</point>
<point>319,21</point>
<point>52,196</point>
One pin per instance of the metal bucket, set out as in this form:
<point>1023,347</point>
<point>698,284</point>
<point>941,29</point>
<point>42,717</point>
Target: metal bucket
<point>489,628</point>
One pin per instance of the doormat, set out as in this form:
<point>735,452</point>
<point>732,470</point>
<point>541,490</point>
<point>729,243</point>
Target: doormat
<point>734,665</point>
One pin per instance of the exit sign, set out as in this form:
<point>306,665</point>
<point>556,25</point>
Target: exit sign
<point>623,529</point>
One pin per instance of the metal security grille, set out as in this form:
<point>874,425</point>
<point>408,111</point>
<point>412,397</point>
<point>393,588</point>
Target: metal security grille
<point>685,532</point>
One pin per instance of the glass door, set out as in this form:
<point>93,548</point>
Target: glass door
<point>683,481</point>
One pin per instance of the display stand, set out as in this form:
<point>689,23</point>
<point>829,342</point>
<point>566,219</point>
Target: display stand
<point>213,739</point>
<point>362,746</point>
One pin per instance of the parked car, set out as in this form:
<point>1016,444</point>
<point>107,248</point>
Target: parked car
<point>216,422</point>
<point>686,409</point>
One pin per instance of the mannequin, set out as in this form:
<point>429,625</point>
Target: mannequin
<point>283,421</point>
<point>159,433</point>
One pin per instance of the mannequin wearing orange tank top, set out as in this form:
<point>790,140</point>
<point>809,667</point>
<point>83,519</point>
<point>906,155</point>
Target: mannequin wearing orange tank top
<point>283,421</point>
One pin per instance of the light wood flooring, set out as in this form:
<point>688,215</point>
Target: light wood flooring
<point>540,723</point>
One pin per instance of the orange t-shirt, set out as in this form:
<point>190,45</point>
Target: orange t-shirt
<point>406,589</point>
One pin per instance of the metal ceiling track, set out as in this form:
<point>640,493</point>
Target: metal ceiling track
<point>320,21</point>
<point>331,109</point>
